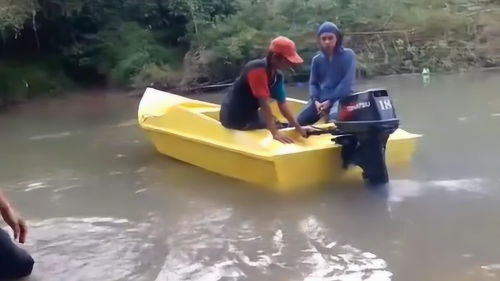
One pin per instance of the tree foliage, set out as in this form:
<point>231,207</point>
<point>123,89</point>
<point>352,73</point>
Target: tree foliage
<point>136,43</point>
<point>13,13</point>
<point>389,36</point>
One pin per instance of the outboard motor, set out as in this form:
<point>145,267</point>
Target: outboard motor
<point>364,123</point>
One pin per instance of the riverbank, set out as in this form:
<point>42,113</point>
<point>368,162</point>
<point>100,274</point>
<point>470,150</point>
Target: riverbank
<point>217,89</point>
<point>191,44</point>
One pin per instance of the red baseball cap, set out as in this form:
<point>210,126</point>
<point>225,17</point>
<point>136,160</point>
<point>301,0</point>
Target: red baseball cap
<point>285,47</point>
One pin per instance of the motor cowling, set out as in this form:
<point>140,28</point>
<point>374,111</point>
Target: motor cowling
<point>365,121</point>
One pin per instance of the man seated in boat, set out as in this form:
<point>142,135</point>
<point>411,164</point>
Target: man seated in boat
<point>247,104</point>
<point>332,76</point>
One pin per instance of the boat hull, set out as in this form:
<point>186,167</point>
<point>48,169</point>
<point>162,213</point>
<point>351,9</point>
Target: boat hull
<point>189,131</point>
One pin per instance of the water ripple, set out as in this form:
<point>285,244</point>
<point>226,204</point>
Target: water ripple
<point>329,261</point>
<point>210,245</point>
<point>97,248</point>
<point>403,189</point>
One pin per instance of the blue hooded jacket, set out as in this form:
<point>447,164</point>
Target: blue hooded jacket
<point>331,79</point>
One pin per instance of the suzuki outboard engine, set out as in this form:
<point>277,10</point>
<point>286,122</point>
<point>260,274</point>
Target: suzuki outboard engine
<point>365,121</point>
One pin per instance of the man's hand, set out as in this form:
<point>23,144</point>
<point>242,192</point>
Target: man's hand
<point>282,138</point>
<point>318,106</point>
<point>16,222</point>
<point>324,107</point>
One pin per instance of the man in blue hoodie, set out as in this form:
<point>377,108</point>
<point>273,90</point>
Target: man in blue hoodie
<point>333,73</point>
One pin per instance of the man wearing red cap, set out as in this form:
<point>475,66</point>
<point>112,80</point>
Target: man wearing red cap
<point>247,105</point>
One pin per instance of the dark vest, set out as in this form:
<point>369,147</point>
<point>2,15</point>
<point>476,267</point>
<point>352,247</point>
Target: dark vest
<point>240,105</point>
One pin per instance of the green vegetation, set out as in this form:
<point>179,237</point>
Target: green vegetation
<point>47,46</point>
<point>22,80</point>
<point>388,36</point>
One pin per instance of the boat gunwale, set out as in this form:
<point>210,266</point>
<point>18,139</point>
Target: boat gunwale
<point>215,143</point>
<point>265,155</point>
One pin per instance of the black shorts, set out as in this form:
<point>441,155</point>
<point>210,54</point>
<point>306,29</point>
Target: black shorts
<point>253,122</point>
<point>15,262</point>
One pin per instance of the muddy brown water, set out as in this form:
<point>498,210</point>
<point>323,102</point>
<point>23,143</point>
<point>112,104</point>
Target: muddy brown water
<point>103,205</point>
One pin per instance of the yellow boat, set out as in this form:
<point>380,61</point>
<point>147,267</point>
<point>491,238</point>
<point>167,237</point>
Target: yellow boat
<point>189,130</point>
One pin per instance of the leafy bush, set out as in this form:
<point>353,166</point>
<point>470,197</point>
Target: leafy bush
<point>121,50</point>
<point>428,33</point>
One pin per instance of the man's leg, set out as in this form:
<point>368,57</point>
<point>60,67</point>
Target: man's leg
<point>224,117</point>
<point>15,262</point>
<point>257,122</point>
<point>229,121</point>
<point>309,115</point>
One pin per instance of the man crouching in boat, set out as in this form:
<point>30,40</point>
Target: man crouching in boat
<point>247,104</point>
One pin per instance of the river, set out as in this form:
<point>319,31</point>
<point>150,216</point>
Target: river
<point>103,205</point>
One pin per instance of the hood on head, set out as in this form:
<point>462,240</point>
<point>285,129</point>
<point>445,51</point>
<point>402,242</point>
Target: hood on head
<point>332,28</point>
